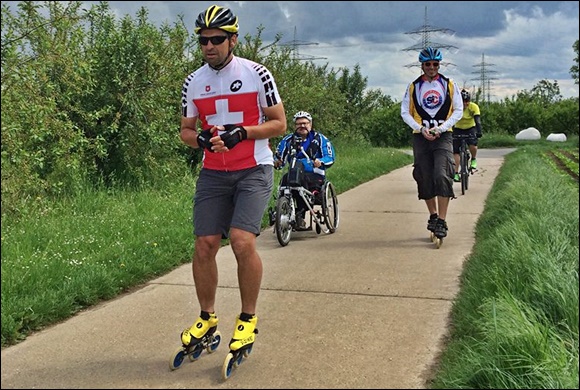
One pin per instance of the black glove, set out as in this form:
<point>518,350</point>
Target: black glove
<point>479,135</point>
<point>203,140</point>
<point>233,135</point>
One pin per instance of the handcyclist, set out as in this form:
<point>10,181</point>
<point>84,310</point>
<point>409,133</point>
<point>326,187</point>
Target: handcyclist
<point>470,123</point>
<point>315,154</point>
<point>431,106</point>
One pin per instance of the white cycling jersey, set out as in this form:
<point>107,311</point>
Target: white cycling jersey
<point>234,94</point>
<point>435,103</point>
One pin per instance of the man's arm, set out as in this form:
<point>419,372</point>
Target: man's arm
<point>327,150</point>
<point>457,103</point>
<point>273,127</point>
<point>281,152</point>
<point>188,133</point>
<point>406,112</point>
<point>477,119</point>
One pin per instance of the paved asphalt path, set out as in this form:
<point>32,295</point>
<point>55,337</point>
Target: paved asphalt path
<point>365,307</point>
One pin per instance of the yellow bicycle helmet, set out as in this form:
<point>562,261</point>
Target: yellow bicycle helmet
<point>217,17</point>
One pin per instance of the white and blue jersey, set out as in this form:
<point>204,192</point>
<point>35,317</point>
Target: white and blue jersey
<point>315,146</point>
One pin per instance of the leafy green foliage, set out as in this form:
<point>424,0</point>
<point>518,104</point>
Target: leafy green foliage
<point>90,99</point>
<point>87,100</point>
<point>542,108</point>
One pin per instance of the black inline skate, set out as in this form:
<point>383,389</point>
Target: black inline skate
<point>440,232</point>
<point>431,222</point>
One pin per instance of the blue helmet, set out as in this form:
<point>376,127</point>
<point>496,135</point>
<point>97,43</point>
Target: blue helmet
<point>430,54</point>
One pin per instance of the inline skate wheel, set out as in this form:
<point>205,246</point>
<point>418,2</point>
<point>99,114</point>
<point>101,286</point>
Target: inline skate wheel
<point>196,352</point>
<point>228,366</point>
<point>238,358</point>
<point>177,358</point>
<point>438,241</point>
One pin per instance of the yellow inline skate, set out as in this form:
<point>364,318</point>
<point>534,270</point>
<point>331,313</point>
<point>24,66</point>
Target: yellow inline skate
<point>203,334</point>
<point>241,344</point>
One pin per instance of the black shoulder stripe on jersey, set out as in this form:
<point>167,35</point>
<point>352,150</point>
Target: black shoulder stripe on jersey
<point>268,85</point>
<point>184,94</point>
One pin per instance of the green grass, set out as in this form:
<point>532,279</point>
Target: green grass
<point>515,319</point>
<point>74,253</point>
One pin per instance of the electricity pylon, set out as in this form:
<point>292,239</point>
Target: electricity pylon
<point>426,30</point>
<point>295,54</point>
<point>484,79</point>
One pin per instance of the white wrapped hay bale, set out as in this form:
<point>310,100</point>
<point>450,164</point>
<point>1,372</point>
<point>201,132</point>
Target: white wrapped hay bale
<point>531,133</point>
<point>556,137</point>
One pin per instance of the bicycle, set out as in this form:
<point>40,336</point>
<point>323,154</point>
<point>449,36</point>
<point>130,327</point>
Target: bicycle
<point>465,169</point>
<point>322,205</point>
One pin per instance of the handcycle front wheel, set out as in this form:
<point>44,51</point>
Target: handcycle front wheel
<point>282,224</point>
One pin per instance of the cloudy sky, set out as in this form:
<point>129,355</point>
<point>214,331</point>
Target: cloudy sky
<point>511,44</point>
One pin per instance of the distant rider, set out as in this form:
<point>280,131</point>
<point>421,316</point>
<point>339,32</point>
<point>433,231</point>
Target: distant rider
<point>470,123</point>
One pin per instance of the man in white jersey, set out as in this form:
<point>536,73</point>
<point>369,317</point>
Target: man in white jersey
<point>431,106</point>
<point>231,108</point>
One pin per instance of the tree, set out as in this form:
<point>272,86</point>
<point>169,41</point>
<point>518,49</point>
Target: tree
<point>360,101</point>
<point>546,92</point>
<point>574,68</point>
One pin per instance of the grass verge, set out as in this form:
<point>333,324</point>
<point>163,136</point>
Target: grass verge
<point>74,253</point>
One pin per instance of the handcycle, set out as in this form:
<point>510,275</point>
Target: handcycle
<point>322,204</point>
<point>465,169</point>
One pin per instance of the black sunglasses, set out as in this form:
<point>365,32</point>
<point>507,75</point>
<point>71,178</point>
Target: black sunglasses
<point>217,40</point>
<point>432,64</point>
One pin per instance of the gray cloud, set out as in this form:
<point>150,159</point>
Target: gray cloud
<point>519,42</point>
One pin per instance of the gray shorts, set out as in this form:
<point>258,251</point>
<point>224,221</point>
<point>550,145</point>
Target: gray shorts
<point>231,199</point>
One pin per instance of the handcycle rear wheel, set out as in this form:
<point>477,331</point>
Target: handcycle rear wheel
<point>330,207</point>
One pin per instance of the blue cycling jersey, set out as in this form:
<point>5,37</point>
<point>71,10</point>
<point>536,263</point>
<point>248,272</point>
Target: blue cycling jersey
<point>315,146</point>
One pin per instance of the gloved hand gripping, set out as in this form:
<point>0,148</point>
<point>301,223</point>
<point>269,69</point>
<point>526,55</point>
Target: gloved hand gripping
<point>203,140</point>
<point>234,134</point>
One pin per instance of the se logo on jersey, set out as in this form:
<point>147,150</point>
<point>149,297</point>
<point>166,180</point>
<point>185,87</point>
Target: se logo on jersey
<point>432,99</point>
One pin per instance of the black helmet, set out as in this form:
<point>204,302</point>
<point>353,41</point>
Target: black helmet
<point>465,95</point>
<point>430,54</point>
<point>217,17</point>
